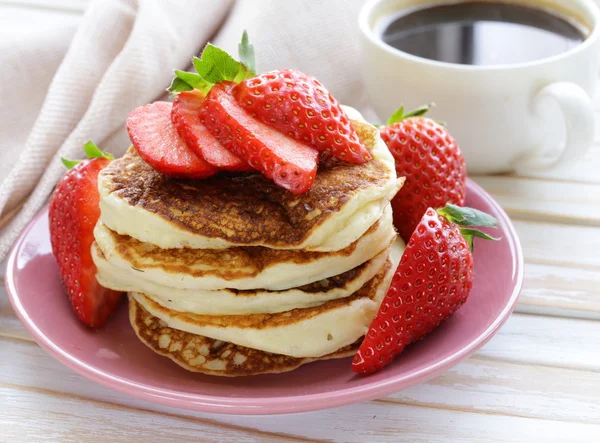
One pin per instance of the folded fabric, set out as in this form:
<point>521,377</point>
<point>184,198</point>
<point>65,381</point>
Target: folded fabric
<point>62,87</point>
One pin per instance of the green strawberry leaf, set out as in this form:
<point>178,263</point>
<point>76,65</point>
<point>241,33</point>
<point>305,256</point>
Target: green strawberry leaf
<point>93,151</point>
<point>246,53</point>
<point>399,114</point>
<point>69,164</point>
<point>470,234</point>
<point>467,216</point>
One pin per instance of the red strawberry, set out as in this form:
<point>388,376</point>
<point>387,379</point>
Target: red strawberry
<point>158,143</point>
<point>429,158</point>
<point>186,119</point>
<point>298,105</point>
<point>290,164</point>
<point>74,212</point>
<point>433,280</point>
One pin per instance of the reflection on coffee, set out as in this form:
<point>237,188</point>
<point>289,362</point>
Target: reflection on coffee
<point>482,33</point>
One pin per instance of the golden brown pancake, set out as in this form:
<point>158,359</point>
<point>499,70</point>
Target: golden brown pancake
<point>214,357</point>
<point>242,267</point>
<point>309,332</point>
<point>262,321</point>
<point>247,208</point>
<point>238,302</point>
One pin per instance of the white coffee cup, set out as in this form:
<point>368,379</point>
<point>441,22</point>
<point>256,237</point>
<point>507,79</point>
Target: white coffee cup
<point>526,116</point>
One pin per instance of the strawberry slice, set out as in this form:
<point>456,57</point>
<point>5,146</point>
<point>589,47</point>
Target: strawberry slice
<point>74,211</point>
<point>290,164</point>
<point>298,105</point>
<point>434,279</point>
<point>186,118</point>
<point>158,143</point>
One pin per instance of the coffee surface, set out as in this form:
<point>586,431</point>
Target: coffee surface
<point>482,33</point>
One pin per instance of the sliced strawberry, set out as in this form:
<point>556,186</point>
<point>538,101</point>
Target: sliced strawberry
<point>298,105</point>
<point>185,116</point>
<point>158,143</point>
<point>74,212</point>
<point>290,164</point>
<point>433,280</point>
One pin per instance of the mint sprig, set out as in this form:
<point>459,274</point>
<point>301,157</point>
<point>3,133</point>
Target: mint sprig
<point>246,52</point>
<point>469,217</point>
<point>187,81</point>
<point>215,65</point>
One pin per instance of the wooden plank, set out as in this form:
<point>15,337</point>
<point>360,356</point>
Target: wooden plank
<point>500,379</point>
<point>522,390</point>
<point>30,415</point>
<point>38,416</point>
<point>560,291</point>
<point>548,341</point>
<point>547,200</point>
<point>10,326</point>
<point>560,245</point>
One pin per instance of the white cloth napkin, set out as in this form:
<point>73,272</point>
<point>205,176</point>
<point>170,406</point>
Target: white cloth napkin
<point>76,79</point>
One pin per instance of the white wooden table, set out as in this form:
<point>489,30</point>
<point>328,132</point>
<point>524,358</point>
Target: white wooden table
<point>538,380</point>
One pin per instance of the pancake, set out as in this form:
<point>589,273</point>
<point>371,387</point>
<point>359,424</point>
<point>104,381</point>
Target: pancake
<point>310,332</point>
<point>248,209</point>
<point>238,268</point>
<point>214,357</point>
<point>252,301</point>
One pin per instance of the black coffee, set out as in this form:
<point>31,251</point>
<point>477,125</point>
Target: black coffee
<point>482,33</point>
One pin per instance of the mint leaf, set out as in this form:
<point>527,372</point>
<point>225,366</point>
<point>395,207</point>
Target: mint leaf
<point>469,234</point>
<point>217,65</point>
<point>467,216</point>
<point>213,66</point>
<point>69,164</point>
<point>246,53</point>
<point>194,80</point>
<point>179,85</point>
<point>93,151</point>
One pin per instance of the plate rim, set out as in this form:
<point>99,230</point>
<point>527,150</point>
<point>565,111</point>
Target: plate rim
<point>270,405</point>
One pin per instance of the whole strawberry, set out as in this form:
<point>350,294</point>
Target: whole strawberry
<point>298,105</point>
<point>74,211</point>
<point>429,158</point>
<point>433,280</point>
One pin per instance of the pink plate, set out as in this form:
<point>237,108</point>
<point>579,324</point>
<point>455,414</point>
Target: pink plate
<point>114,357</point>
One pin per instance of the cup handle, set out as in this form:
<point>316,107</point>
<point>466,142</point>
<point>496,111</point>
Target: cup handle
<point>578,114</point>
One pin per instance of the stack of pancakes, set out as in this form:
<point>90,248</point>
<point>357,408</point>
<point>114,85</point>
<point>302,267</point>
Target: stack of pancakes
<point>233,275</point>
